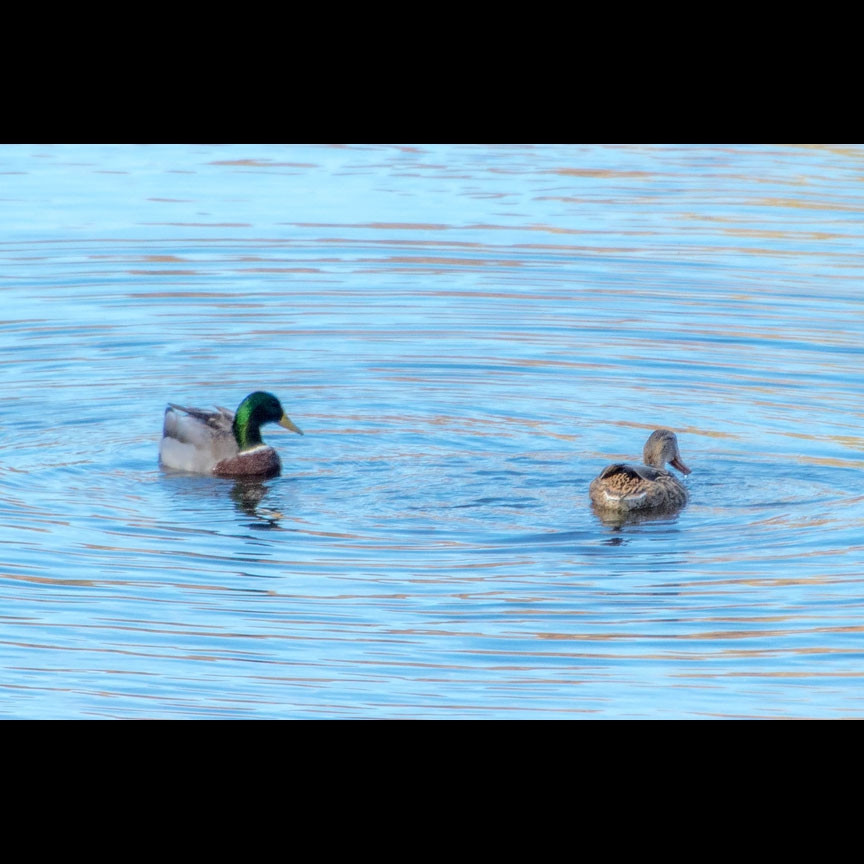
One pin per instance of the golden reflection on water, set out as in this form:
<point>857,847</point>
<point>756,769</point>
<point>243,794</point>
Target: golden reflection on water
<point>474,338</point>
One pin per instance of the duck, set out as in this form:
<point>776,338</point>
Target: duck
<point>624,488</point>
<point>221,442</point>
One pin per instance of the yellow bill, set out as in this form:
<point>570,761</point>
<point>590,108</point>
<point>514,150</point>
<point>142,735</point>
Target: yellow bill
<point>286,422</point>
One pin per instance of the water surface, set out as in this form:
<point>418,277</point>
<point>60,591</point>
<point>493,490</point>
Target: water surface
<point>467,333</point>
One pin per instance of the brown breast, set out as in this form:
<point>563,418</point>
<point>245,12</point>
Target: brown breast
<point>260,462</point>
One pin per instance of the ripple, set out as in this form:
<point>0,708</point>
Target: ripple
<point>467,333</point>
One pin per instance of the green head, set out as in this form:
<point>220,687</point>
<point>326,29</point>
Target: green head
<point>255,410</point>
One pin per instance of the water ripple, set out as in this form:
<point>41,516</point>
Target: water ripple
<point>468,334</point>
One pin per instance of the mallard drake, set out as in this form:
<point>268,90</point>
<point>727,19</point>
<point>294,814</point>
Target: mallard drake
<point>219,442</point>
<point>623,487</point>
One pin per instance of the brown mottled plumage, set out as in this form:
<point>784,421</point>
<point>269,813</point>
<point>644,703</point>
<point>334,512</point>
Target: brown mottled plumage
<point>624,488</point>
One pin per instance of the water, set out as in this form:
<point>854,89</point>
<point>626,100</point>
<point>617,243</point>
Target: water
<point>467,333</point>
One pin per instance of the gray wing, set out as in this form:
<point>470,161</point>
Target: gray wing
<point>220,419</point>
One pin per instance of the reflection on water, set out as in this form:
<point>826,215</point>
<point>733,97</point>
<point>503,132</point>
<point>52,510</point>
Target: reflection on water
<point>248,496</point>
<point>473,332</point>
<point>617,520</point>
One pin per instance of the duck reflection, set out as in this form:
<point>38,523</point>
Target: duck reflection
<point>617,520</point>
<point>247,496</point>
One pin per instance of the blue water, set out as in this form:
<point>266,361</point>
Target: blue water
<point>467,334</point>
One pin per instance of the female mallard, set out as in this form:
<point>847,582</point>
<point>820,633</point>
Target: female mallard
<point>219,442</point>
<point>625,487</point>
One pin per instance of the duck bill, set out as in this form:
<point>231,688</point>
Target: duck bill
<point>677,463</point>
<point>286,423</point>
